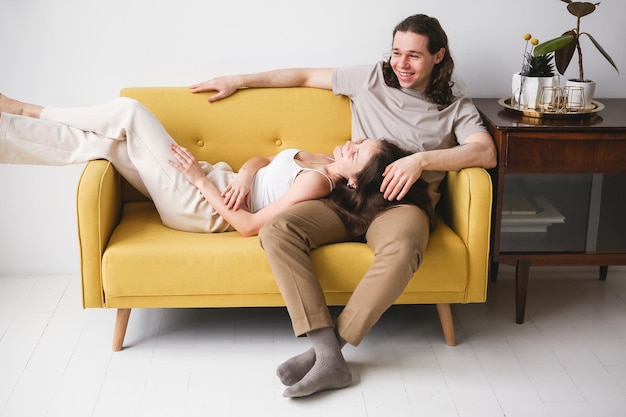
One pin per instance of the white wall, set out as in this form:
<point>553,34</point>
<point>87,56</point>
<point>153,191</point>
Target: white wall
<point>79,52</point>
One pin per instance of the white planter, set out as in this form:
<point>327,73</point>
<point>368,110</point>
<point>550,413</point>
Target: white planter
<point>526,90</point>
<point>589,89</point>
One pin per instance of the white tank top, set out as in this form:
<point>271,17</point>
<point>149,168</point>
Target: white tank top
<point>273,180</point>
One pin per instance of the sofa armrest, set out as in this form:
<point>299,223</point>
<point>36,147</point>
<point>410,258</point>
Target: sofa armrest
<point>99,209</point>
<point>466,207</point>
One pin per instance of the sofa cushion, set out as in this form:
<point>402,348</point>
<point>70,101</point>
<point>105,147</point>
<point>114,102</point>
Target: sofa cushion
<point>146,259</point>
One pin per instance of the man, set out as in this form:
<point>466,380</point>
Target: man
<point>409,100</point>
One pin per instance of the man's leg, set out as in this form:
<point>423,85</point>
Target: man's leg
<point>398,238</point>
<point>287,241</point>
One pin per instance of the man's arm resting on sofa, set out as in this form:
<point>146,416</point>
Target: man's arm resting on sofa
<point>99,208</point>
<point>288,77</point>
<point>477,150</point>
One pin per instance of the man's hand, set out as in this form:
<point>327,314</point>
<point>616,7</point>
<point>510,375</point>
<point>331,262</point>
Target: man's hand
<point>400,177</point>
<point>225,86</point>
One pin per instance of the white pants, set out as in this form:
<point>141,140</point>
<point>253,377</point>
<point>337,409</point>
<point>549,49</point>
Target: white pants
<point>126,133</point>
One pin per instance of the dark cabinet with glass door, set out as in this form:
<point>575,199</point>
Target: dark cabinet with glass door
<point>560,190</point>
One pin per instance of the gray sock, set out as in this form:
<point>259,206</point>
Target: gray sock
<point>329,371</point>
<point>294,369</point>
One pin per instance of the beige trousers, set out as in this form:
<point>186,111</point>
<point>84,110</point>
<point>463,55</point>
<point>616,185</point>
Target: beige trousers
<point>398,238</point>
<point>126,133</point>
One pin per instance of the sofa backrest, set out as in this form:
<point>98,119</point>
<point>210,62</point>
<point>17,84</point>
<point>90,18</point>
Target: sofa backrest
<point>251,122</point>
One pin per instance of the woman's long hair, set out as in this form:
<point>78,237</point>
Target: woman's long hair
<point>439,89</point>
<point>357,207</point>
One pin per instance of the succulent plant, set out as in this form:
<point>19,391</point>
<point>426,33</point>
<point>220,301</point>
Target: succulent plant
<point>541,65</point>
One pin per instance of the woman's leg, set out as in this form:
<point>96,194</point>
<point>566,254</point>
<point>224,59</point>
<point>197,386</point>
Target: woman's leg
<point>125,133</point>
<point>11,106</point>
<point>30,134</point>
<point>180,204</point>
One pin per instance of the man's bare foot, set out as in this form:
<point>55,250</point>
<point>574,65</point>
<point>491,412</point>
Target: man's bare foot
<point>9,105</point>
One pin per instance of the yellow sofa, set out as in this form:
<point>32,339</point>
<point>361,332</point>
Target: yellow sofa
<point>130,260</point>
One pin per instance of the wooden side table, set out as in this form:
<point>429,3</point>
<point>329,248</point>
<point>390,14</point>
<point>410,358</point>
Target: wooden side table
<point>560,190</point>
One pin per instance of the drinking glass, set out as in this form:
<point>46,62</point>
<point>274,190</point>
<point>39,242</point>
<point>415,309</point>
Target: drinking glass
<point>549,99</point>
<point>574,98</point>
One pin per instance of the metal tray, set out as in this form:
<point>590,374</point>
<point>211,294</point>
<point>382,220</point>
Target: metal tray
<point>596,106</point>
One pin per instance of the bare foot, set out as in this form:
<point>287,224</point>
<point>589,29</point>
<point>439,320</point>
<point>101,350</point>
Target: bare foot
<point>9,105</point>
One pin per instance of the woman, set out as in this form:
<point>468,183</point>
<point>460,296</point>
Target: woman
<point>189,195</point>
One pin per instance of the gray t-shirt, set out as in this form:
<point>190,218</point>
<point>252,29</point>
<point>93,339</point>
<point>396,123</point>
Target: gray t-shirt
<point>404,116</point>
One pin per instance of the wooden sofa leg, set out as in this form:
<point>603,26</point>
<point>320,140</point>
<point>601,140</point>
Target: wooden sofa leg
<point>447,324</point>
<point>121,323</point>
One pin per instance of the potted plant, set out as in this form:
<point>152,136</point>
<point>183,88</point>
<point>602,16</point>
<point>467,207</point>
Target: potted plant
<point>537,72</point>
<point>565,45</point>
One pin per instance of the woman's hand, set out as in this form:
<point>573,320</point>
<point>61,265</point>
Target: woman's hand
<point>187,164</point>
<point>400,176</point>
<point>237,194</point>
<point>225,86</point>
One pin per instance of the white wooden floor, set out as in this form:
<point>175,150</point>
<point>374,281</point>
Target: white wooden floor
<point>567,359</point>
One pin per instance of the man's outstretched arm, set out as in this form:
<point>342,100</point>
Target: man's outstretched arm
<point>291,77</point>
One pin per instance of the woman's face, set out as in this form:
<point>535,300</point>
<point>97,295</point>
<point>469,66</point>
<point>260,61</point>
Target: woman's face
<point>411,61</point>
<point>352,157</point>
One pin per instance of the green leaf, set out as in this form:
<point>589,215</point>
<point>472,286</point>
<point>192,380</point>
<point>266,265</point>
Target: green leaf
<point>602,51</point>
<point>563,56</point>
<point>553,45</point>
